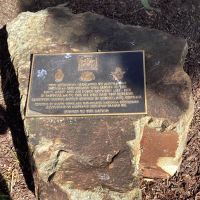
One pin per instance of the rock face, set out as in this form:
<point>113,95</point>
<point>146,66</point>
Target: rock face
<point>101,157</point>
<point>9,10</point>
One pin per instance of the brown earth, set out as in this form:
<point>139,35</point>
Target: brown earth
<point>178,17</point>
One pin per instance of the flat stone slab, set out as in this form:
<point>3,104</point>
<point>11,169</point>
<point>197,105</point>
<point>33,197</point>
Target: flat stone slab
<point>101,157</point>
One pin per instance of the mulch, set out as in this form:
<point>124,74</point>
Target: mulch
<point>180,18</point>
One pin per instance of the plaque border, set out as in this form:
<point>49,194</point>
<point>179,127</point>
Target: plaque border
<point>28,111</point>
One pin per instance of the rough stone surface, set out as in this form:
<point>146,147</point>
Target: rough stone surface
<point>100,158</point>
<point>9,10</point>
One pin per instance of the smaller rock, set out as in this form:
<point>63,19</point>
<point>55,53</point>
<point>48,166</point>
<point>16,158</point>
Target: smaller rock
<point>158,160</point>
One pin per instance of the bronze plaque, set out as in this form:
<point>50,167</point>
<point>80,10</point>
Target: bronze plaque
<point>85,84</point>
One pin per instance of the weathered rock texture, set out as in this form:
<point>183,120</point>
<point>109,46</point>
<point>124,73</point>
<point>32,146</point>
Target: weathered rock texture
<point>8,10</point>
<point>100,157</point>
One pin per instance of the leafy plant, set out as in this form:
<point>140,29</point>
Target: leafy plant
<point>147,5</point>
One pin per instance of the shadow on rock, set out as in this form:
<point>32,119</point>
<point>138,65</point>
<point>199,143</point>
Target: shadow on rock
<point>12,100</point>
<point>4,191</point>
<point>3,121</point>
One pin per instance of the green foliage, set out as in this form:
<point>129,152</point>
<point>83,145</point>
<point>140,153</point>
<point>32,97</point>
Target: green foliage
<point>146,4</point>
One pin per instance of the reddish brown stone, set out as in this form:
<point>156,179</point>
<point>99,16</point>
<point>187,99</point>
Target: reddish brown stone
<point>101,156</point>
<point>115,175</point>
<point>155,145</point>
<point>50,191</point>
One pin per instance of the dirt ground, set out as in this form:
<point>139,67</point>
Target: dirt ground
<point>178,17</point>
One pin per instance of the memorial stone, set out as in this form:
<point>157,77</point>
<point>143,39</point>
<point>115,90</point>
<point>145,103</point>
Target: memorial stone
<point>99,157</point>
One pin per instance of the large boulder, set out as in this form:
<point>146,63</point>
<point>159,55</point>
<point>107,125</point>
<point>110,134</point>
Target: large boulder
<point>101,157</point>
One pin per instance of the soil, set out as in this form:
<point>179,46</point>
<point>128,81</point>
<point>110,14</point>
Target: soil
<point>178,17</point>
